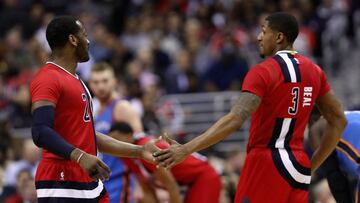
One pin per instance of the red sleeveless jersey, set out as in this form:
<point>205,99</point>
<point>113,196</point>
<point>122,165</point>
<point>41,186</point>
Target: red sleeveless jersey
<point>288,85</point>
<point>73,113</point>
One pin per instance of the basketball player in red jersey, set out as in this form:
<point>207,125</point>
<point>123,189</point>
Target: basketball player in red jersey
<point>63,123</point>
<point>194,172</point>
<point>279,93</point>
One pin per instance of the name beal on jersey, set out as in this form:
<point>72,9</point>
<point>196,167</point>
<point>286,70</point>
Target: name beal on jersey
<point>307,98</point>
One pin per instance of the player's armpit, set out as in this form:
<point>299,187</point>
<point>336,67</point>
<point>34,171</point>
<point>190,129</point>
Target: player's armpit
<point>246,105</point>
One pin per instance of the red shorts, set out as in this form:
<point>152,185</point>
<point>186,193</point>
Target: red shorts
<point>65,181</point>
<point>274,176</point>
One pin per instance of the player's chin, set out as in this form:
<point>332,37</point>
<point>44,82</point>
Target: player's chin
<point>85,58</point>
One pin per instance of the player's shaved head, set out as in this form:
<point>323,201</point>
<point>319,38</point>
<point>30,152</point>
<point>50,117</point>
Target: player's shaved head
<point>122,131</point>
<point>59,29</point>
<point>285,23</point>
<point>122,127</point>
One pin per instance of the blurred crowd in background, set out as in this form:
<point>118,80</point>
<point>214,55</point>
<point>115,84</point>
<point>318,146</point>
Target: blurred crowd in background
<point>160,47</point>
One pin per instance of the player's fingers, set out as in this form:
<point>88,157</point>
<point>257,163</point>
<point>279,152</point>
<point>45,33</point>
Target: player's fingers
<point>166,162</point>
<point>168,139</point>
<point>92,171</point>
<point>104,166</point>
<point>171,165</point>
<point>94,175</point>
<point>157,139</point>
<point>160,152</point>
<point>162,157</point>
<point>104,175</point>
<point>152,145</point>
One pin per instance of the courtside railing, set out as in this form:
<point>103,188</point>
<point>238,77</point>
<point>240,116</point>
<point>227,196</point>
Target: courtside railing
<point>186,116</point>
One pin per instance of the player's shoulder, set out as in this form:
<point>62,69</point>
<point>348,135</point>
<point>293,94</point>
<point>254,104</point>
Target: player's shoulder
<point>265,68</point>
<point>46,73</point>
<point>122,103</point>
<point>306,61</point>
<point>267,65</point>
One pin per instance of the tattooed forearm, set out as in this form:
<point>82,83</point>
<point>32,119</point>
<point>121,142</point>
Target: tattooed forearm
<point>246,105</point>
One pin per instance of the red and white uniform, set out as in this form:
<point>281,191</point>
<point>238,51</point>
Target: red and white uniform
<point>58,179</point>
<point>204,184</point>
<point>277,169</point>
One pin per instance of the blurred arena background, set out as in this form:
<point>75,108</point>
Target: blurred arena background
<point>179,62</point>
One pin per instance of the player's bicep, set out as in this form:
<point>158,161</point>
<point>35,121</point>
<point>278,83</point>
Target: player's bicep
<point>41,103</point>
<point>246,105</point>
<point>330,108</point>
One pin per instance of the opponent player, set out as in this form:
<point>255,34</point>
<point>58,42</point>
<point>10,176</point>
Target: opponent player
<point>343,163</point>
<point>202,182</point>
<point>120,185</point>
<point>279,93</point>
<point>63,123</point>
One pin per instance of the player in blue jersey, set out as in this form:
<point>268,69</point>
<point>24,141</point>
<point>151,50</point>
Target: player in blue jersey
<point>343,164</point>
<point>121,183</point>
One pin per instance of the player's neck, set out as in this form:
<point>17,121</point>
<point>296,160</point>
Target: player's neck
<point>283,48</point>
<point>67,62</point>
<point>106,102</point>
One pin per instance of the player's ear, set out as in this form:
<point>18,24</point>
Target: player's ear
<point>73,40</point>
<point>280,37</point>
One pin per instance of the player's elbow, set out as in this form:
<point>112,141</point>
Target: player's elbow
<point>36,134</point>
<point>234,121</point>
<point>342,122</point>
<point>339,122</point>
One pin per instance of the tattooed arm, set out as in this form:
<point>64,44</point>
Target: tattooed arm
<point>243,108</point>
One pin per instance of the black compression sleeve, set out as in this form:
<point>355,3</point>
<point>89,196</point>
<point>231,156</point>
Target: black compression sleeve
<point>44,135</point>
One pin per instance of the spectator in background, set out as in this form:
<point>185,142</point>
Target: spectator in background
<point>229,70</point>
<point>25,189</point>
<point>147,78</point>
<point>5,144</point>
<point>195,43</point>
<point>181,77</point>
<point>29,160</point>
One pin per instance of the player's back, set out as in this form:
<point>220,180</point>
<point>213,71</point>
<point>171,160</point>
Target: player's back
<point>289,85</point>
<point>73,120</point>
<point>185,172</point>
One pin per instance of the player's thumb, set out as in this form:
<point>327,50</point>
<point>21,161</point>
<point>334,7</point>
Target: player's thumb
<point>104,166</point>
<point>168,139</point>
